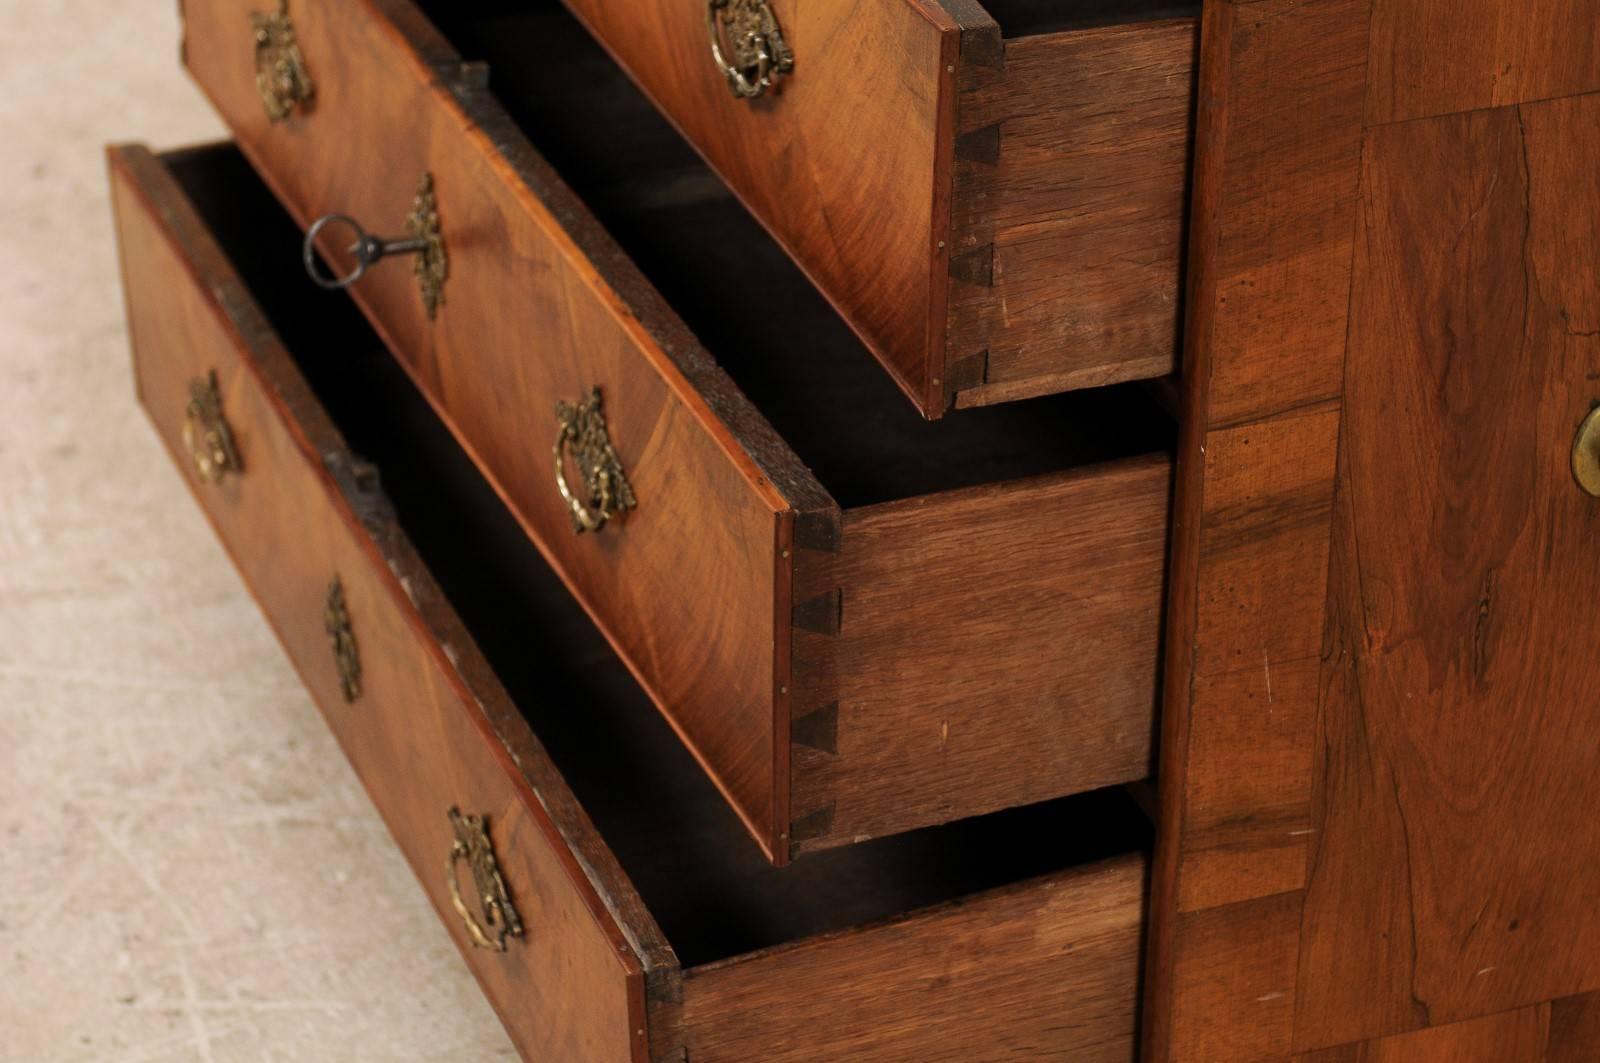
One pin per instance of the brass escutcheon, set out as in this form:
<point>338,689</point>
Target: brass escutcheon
<point>346,654</point>
<point>281,76</point>
<point>206,432</point>
<point>1586,454</point>
<point>582,430</point>
<point>500,916</point>
<point>432,265</point>
<point>747,45</point>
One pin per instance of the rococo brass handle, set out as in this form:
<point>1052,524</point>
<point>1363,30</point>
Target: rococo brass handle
<point>500,918</point>
<point>582,430</point>
<point>206,432</point>
<point>281,76</point>
<point>1586,454</point>
<point>346,651</point>
<point>747,45</point>
<point>422,239</point>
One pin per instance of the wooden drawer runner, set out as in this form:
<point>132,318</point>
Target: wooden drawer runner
<point>860,622</point>
<point>992,194</point>
<point>652,929</point>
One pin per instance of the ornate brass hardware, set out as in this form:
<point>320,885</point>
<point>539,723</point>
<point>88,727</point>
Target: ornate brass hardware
<point>346,654</point>
<point>500,917</point>
<point>431,265</point>
<point>281,76</point>
<point>583,431</point>
<point>747,45</point>
<point>1586,454</point>
<point>206,432</point>
<point>422,239</point>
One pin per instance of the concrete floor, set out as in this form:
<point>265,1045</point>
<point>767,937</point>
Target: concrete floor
<point>188,868</point>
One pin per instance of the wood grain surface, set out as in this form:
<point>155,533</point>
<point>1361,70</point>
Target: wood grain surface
<point>1044,971</point>
<point>1373,830</point>
<point>1276,176</point>
<point>1433,57</point>
<point>418,734</point>
<point>1042,684</point>
<point>1459,691</point>
<point>1071,191</point>
<point>1523,1034</point>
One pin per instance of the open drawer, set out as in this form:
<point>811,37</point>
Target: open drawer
<point>993,199</point>
<point>860,622</point>
<point>992,192</point>
<point>604,894</point>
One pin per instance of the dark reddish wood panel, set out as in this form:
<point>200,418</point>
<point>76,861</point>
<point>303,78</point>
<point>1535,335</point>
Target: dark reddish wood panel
<point>1456,783</point>
<point>1519,1036</point>
<point>1276,168</point>
<point>1432,57</point>
<point>1574,1029</point>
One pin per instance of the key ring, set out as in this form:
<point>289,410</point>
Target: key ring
<point>367,249</point>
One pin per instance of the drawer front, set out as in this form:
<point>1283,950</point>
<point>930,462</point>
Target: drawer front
<point>570,988</point>
<point>997,219</point>
<point>843,160</point>
<point>690,585</point>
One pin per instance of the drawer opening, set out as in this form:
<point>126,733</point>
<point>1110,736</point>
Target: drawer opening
<point>1026,18</point>
<point>763,321</point>
<point>713,894</point>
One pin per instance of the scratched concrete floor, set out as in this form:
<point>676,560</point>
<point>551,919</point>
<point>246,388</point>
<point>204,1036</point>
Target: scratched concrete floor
<point>188,868</point>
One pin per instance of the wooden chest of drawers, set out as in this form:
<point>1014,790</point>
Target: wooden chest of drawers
<point>606,538</point>
<point>808,561</point>
<point>646,924</point>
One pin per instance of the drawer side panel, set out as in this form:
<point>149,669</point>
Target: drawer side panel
<point>994,647</point>
<point>1046,969</point>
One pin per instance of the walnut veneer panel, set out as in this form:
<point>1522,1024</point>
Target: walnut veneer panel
<point>1276,174</point>
<point>996,219</point>
<point>1457,730</point>
<point>419,735</point>
<point>1434,57</point>
<point>1376,755</point>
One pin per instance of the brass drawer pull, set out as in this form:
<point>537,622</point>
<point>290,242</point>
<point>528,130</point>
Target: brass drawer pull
<point>422,239</point>
<point>206,432</point>
<point>583,432</point>
<point>1586,454</point>
<point>747,45</point>
<point>500,916</point>
<point>346,653</point>
<point>281,76</point>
